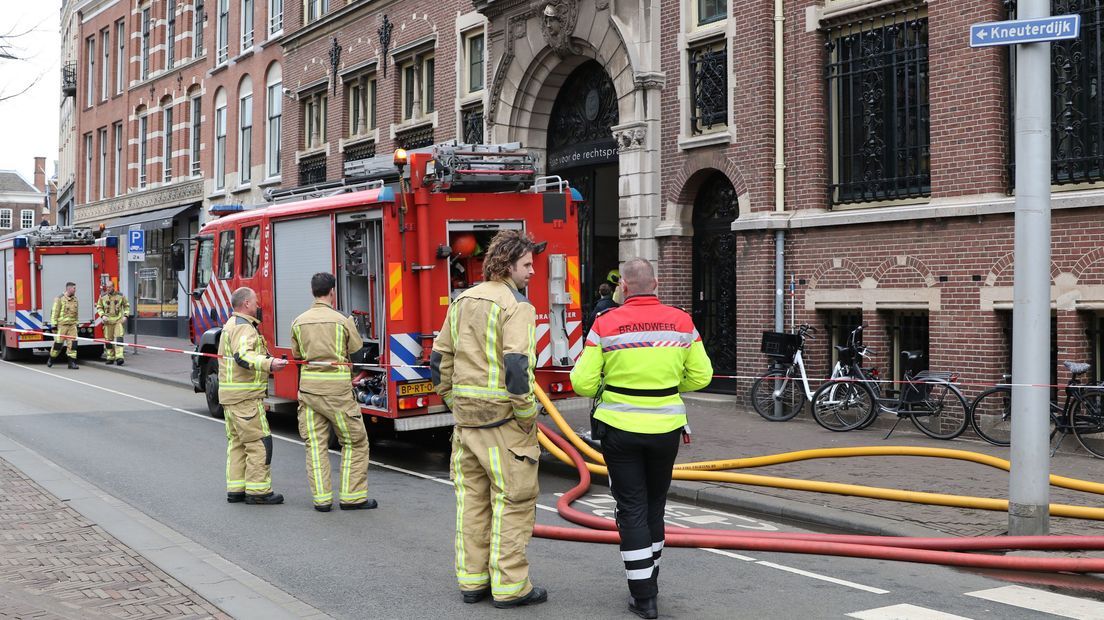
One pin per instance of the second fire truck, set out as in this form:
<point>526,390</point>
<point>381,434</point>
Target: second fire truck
<point>403,240</point>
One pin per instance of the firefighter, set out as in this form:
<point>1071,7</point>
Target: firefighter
<point>244,366</point>
<point>63,323</point>
<point>645,353</point>
<point>114,309</point>
<point>482,366</point>
<point>326,402</point>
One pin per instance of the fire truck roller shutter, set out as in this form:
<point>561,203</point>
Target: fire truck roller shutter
<point>300,249</point>
<point>6,273</point>
<point>57,269</point>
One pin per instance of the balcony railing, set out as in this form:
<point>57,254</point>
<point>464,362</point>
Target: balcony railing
<point>69,79</point>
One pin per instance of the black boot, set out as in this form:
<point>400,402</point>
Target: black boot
<point>73,364</point>
<point>535,596</point>
<point>644,607</point>
<point>368,504</point>
<point>50,362</point>
<point>474,596</point>
<point>264,500</point>
<point>235,497</point>
<point>119,362</point>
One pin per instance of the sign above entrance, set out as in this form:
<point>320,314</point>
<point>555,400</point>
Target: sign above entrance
<point>586,154</point>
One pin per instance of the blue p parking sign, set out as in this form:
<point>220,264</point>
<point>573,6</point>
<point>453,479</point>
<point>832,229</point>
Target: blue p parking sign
<point>136,246</point>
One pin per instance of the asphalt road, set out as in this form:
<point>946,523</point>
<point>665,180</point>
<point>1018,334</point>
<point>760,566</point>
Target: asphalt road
<point>154,447</point>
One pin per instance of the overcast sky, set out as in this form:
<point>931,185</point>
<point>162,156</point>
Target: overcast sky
<point>29,122</point>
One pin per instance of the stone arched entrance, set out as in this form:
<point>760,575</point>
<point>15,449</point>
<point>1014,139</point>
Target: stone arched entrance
<point>581,148</point>
<point>714,275</point>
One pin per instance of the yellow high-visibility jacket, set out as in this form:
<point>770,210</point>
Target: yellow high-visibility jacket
<point>646,353</point>
<point>483,359</point>
<point>113,307</point>
<point>322,334</point>
<point>64,311</point>
<point>245,363</point>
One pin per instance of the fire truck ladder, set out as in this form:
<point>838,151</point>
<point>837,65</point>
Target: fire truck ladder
<point>56,235</point>
<point>320,190</point>
<point>481,167</point>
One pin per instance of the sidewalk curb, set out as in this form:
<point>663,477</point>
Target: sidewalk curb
<point>224,584</point>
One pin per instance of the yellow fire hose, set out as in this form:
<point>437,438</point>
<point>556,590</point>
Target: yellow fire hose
<point>707,472</point>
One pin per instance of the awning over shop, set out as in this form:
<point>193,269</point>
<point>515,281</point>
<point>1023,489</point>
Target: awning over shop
<point>150,220</point>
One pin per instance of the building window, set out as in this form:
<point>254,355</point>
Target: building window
<point>102,176</point>
<point>222,32</point>
<point>143,135</point>
<point>26,218</point>
<point>198,20</point>
<point>1077,107</point>
<point>710,11</point>
<point>472,119</point>
<point>428,79</point>
<point>839,324</point>
<point>475,63</point>
<point>220,145</point>
<point>275,16</point>
<point>1053,359</point>
<point>362,106</point>
<point>145,58</point>
<point>197,123</point>
<point>878,110</point>
<point>246,24</point>
<point>105,64</point>
<point>1096,345</point>
<point>6,219</point>
<point>417,87</point>
<point>90,71</point>
<point>170,33</point>
<point>120,56</point>
<point>315,116</point>
<point>251,251</point>
<point>167,143</point>
<point>87,172</point>
<point>408,85</point>
<point>117,181</point>
<point>315,9</point>
<point>708,87</point>
<point>274,115</point>
<point>226,255</point>
<point>245,138</point>
<point>907,331</point>
<point>312,169</point>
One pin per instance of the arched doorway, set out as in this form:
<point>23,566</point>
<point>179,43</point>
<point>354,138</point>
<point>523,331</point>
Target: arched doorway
<point>582,150</point>
<point>714,276</point>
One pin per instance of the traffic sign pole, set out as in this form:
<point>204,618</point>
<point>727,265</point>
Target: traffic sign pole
<point>1029,480</point>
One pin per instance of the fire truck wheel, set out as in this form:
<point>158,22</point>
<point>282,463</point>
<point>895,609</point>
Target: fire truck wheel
<point>210,387</point>
<point>12,354</point>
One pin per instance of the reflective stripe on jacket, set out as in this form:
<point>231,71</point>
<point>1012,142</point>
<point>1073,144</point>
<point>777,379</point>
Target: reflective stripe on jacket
<point>646,353</point>
<point>483,358</point>
<point>322,334</point>
<point>65,310</point>
<point>113,307</point>
<point>245,363</point>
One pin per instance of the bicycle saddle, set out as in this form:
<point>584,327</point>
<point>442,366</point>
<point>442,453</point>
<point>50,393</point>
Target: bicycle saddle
<point>1076,368</point>
<point>912,356</point>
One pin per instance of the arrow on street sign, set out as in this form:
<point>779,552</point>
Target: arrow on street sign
<point>1037,30</point>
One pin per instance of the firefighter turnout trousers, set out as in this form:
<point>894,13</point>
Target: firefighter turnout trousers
<point>114,332</point>
<point>640,474</point>
<point>248,448</point>
<point>495,475</point>
<point>69,344</point>
<point>318,416</point>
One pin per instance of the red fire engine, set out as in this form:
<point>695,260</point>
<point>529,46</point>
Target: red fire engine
<point>403,238</point>
<point>37,262</point>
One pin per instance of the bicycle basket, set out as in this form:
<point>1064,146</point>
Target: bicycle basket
<point>780,345</point>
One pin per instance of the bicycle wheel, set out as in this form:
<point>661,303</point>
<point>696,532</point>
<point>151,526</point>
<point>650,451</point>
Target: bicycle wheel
<point>943,413</point>
<point>843,405</point>
<point>790,402</point>
<point>1087,419</point>
<point>991,416</point>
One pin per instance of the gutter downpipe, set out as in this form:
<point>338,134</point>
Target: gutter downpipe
<point>779,186</point>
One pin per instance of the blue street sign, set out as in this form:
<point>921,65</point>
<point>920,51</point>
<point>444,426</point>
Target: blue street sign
<point>136,246</point>
<point>1038,30</point>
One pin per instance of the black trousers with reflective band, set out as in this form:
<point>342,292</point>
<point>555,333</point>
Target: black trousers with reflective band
<point>640,475</point>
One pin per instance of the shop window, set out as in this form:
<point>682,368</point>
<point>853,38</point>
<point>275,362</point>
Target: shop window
<point>226,255</point>
<point>838,326</point>
<point>251,251</point>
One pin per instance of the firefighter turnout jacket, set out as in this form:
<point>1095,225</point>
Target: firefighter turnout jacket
<point>322,334</point>
<point>113,307</point>
<point>645,353</point>
<point>64,311</point>
<point>483,359</point>
<point>245,363</point>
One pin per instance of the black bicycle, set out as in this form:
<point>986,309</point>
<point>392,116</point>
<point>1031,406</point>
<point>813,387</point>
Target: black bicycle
<point>1080,415</point>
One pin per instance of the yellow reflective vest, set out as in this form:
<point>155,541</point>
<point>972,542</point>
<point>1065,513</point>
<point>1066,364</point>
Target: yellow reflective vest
<point>322,334</point>
<point>64,311</point>
<point>245,363</point>
<point>642,355</point>
<point>113,307</point>
<point>483,359</point>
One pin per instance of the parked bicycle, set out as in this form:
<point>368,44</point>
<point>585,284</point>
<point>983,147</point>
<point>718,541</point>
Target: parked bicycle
<point>780,394</point>
<point>1081,415</point>
<point>929,398</point>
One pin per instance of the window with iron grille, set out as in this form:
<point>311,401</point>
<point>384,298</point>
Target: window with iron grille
<point>416,138</point>
<point>312,169</point>
<point>878,111</point>
<point>363,150</point>
<point>708,87</point>
<point>473,124</point>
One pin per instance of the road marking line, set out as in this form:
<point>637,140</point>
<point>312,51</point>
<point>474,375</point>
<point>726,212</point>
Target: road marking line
<point>904,611</point>
<point>1041,600</point>
<point>729,554</point>
<point>841,582</point>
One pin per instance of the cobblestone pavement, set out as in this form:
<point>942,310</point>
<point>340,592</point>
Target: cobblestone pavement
<point>54,563</point>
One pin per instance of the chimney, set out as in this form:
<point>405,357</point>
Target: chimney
<point>40,174</point>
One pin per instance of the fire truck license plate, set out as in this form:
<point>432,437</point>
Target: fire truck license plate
<point>29,337</point>
<point>415,388</point>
